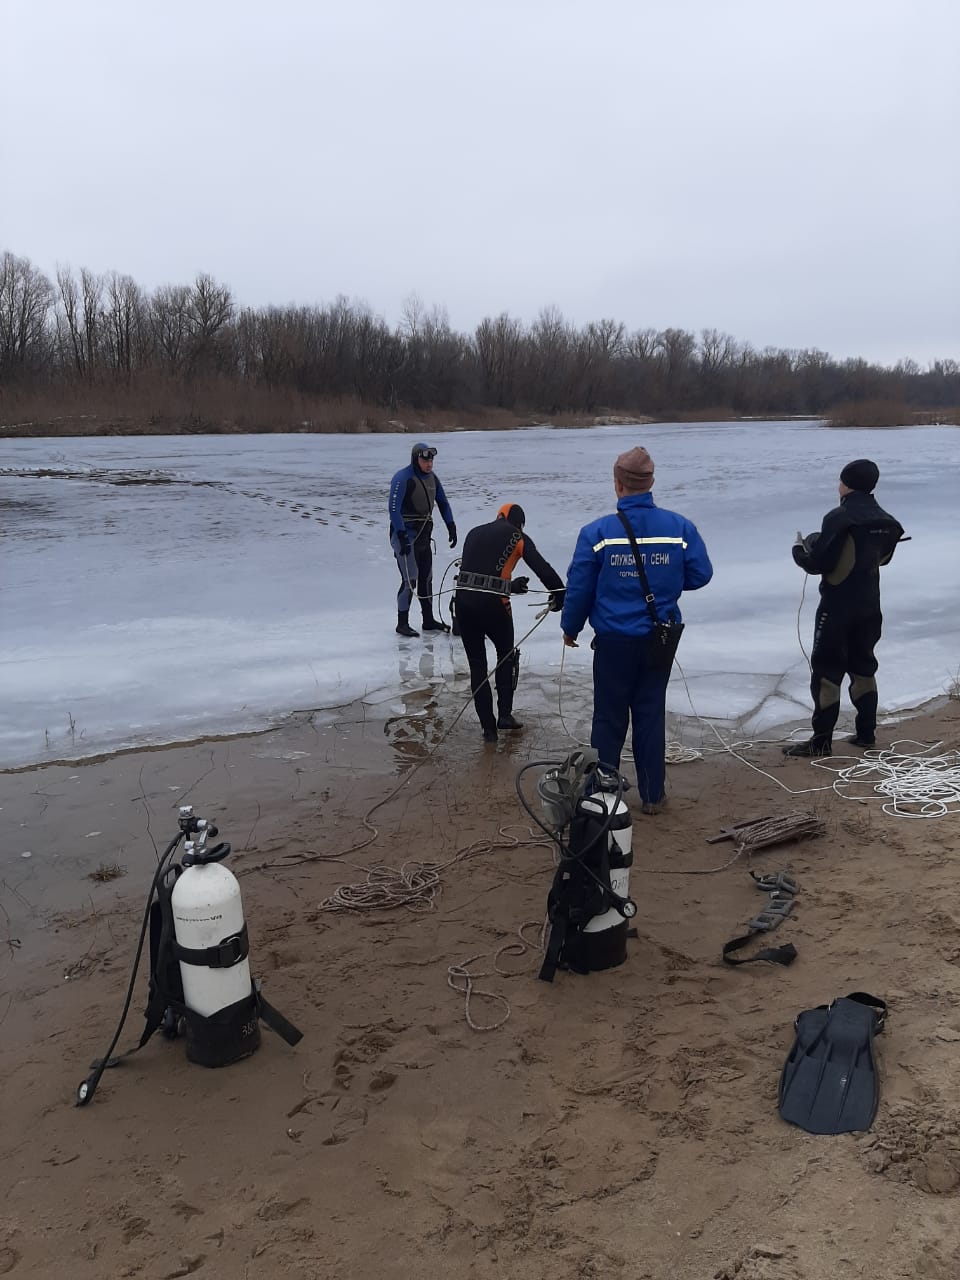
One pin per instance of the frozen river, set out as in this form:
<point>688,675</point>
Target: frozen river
<point>163,588</point>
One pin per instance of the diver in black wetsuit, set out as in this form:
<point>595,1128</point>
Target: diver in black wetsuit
<point>482,607</point>
<point>855,539</point>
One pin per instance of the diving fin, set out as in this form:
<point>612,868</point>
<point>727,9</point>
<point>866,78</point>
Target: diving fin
<point>829,1082</point>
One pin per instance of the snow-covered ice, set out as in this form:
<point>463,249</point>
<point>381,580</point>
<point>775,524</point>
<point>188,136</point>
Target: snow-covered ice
<point>155,589</point>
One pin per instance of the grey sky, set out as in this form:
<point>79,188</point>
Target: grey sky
<point>789,173</point>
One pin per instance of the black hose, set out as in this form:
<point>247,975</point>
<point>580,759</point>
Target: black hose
<point>89,1086</point>
<point>440,592</point>
<point>565,853</point>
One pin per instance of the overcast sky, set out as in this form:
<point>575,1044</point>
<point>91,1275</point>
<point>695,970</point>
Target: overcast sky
<point>788,173</point>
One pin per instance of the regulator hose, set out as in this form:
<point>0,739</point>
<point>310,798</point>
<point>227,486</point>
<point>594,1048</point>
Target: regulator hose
<point>88,1088</point>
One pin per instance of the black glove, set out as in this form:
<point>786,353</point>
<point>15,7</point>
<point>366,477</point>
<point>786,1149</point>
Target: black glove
<point>556,598</point>
<point>519,586</point>
<point>452,530</point>
<point>403,542</point>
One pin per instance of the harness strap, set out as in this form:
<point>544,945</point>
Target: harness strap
<point>558,936</point>
<point>482,582</point>
<point>648,596</point>
<point>275,1020</point>
<point>781,888</point>
<point>228,952</point>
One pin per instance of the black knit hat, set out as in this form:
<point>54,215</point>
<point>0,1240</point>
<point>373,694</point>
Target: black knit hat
<point>861,475</point>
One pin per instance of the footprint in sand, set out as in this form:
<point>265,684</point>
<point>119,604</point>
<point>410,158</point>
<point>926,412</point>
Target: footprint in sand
<point>345,1124</point>
<point>352,1065</point>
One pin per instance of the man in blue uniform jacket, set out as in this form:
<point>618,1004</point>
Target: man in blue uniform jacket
<point>414,491</point>
<point>603,585</point>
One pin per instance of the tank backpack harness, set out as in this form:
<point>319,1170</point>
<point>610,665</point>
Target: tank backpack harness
<point>232,1030</point>
<point>231,1033</point>
<point>588,906</point>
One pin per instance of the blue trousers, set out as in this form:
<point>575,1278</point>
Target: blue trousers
<point>625,689</point>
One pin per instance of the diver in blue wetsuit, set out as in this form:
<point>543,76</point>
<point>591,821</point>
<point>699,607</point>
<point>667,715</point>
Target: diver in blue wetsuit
<point>414,491</point>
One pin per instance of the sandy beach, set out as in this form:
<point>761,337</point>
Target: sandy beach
<point>621,1125</point>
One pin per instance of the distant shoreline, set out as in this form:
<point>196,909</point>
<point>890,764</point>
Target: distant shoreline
<point>94,425</point>
<point>434,422</point>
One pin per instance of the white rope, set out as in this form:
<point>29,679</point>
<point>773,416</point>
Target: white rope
<point>675,752</point>
<point>911,784</point>
<point>793,791</point>
<point>460,973</point>
<point>415,885</point>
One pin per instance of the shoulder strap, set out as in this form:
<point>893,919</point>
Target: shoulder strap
<point>648,597</point>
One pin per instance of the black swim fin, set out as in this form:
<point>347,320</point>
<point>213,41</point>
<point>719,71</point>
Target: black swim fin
<point>829,1082</point>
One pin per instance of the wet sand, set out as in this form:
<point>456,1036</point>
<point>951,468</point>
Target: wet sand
<point>620,1125</point>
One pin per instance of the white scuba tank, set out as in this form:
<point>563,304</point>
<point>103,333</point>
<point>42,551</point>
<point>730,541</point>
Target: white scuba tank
<point>620,853</point>
<point>207,911</point>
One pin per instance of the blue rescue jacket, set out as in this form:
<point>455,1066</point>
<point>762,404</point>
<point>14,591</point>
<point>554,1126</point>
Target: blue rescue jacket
<point>603,584</point>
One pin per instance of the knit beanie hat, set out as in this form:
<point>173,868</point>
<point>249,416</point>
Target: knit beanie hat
<point>861,475</point>
<point>634,470</point>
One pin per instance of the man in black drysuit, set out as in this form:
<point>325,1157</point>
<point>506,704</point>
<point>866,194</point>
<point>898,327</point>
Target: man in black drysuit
<point>482,607</point>
<point>855,539</point>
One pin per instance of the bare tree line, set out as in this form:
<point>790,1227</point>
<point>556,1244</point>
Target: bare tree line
<point>88,330</point>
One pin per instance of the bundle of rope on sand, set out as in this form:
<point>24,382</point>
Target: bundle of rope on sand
<point>762,832</point>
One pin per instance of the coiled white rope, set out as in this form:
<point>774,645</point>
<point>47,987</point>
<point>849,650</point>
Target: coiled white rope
<point>416,885</point>
<point>917,784</point>
<point>461,980</point>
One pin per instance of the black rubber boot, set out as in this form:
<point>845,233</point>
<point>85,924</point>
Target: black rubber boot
<point>856,741</point>
<point>813,748</point>
<point>508,721</point>
<point>491,735</point>
<point>403,624</point>
<point>430,623</point>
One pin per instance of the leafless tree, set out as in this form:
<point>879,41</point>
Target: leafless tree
<point>169,318</point>
<point>26,296</point>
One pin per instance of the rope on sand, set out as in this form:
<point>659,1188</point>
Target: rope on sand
<point>912,784</point>
<point>414,885</point>
<point>460,973</point>
<point>418,886</point>
<point>766,831</point>
<point>750,836</point>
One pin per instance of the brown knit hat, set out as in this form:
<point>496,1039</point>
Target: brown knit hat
<point>634,470</point>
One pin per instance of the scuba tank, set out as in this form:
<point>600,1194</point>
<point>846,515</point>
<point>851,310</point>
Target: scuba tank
<point>200,981</point>
<point>601,942</point>
<point>211,948</point>
<point>589,907</point>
